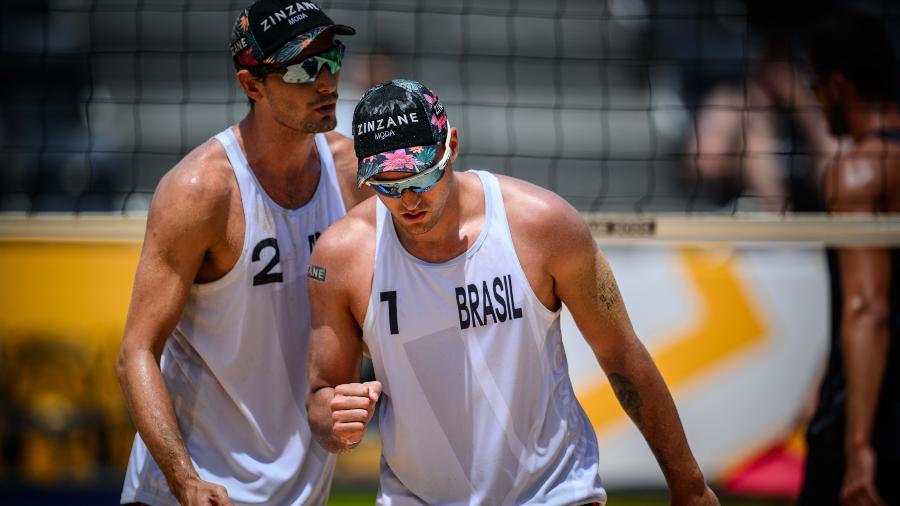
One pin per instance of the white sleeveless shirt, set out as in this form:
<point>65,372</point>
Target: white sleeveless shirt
<point>235,364</point>
<point>478,407</point>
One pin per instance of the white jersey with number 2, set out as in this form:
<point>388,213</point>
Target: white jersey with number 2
<point>235,365</point>
<point>478,407</point>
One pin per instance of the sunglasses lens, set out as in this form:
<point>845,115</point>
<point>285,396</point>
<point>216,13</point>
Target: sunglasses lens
<point>418,183</point>
<point>428,181</point>
<point>308,70</point>
<point>387,191</point>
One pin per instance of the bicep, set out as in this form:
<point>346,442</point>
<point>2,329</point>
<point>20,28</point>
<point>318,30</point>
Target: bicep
<point>170,257</point>
<point>584,281</point>
<point>865,271</point>
<point>335,348</point>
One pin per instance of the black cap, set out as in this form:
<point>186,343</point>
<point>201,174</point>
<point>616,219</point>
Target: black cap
<point>274,32</point>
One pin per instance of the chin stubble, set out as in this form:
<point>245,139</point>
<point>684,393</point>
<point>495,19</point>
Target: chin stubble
<point>313,127</point>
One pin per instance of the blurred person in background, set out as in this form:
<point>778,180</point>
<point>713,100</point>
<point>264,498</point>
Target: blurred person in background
<point>213,360</point>
<point>854,435</point>
<point>746,125</point>
<point>454,283</point>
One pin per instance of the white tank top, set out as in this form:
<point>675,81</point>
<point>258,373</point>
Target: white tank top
<point>477,407</point>
<point>235,365</point>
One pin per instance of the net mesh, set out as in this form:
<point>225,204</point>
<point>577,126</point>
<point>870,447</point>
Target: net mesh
<point>617,105</point>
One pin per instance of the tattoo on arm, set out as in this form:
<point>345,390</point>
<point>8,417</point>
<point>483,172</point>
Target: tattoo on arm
<point>628,396</point>
<point>608,291</point>
<point>316,272</point>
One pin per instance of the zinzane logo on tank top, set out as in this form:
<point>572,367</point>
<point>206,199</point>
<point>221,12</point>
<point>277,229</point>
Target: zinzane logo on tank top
<point>495,300</point>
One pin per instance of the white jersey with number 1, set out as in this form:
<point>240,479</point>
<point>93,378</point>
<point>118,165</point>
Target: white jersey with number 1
<point>235,365</point>
<point>478,407</point>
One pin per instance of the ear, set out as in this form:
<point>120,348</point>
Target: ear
<point>454,143</point>
<point>253,87</point>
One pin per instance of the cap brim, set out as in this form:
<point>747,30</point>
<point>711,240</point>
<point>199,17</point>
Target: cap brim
<point>411,160</point>
<point>343,29</point>
<point>294,47</point>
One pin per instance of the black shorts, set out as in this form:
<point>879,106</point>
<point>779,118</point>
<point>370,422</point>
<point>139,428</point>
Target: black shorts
<point>825,473</point>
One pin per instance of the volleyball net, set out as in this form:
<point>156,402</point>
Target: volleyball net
<point>640,106</point>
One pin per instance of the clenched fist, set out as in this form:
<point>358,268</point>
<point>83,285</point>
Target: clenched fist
<point>352,407</point>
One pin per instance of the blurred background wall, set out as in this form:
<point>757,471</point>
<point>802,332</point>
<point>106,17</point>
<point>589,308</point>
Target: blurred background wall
<point>602,101</point>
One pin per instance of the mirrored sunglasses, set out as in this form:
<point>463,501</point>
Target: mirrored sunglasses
<point>421,182</point>
<point>307,71</point>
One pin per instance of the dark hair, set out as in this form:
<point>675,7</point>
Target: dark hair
<point>387,105</point>
<point>858,46</point>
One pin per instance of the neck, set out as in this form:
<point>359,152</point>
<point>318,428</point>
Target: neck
<point>273,148</point>
<point>873,116</point>
<point>457,228</point>
<point>283,160</point>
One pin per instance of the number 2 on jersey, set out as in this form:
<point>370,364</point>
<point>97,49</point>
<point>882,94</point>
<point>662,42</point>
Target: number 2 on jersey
<point>265,276</point>
<point>391,299</point>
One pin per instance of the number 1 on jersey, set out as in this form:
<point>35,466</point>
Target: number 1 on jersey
<point>391,299</point>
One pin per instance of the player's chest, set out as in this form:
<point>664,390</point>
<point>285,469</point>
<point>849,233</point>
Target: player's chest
<point>414,304</point>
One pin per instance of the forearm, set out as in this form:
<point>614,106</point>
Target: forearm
<point>644,396</point>
<point>864,344</point>
<point>151,409</point>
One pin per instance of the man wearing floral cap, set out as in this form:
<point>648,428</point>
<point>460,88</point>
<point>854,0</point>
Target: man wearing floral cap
<point>213,360</point>
<point>454,284</point>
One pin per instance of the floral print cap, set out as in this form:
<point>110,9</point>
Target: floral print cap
<point>274,32</point>
<point>398,126</point>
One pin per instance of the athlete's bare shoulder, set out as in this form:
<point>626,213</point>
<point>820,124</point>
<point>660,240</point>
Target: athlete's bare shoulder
<point>865,179</point>
<point>539,215</point>
<point>345,165</point>
<point>350,239</point>
<point>548,234</point>
<point>194,198</point>
<point>204,176</point>
<point>343,260</point>
<point>341,145</point>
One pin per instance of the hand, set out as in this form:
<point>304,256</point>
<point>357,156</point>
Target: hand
<point>202,493</point>
<point>706,498</point>
<point>858,488</point>
<point>351,409</point>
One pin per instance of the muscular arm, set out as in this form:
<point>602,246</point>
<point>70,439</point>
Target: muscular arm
<point>335,348</point>
<point>784,83</point>
<point>865,281</point>
<point>865,277</point>
<point>179,232</point>
<point>583,280</point>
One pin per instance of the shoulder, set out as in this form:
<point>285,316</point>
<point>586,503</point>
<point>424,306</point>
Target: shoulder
<point>340,144</point>
<point>198,190</point>
<point>341,149</point>
<point>345,165</point>
<point>539,214</point>
<point>205,174</point>
<point>857,180</point>
<point>344,256</point>
<point>348,238</point>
